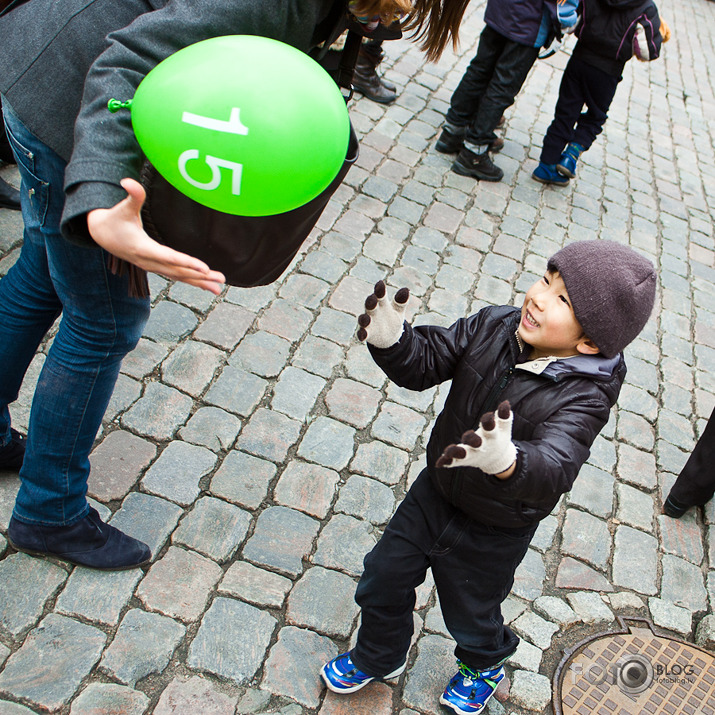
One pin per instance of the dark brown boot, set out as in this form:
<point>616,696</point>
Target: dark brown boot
<point>366,80</point>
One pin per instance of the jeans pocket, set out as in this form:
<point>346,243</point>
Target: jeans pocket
<point>32,185</point>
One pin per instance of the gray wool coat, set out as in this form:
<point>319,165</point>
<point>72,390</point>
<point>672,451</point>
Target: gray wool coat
<point>62,60</point>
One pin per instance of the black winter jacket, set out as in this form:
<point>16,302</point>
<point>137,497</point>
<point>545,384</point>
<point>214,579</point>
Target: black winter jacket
<point>606,29</point>
<point>557,414</point>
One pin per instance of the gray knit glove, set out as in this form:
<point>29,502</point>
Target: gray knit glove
<point>489,448</point>
<point>383,322</point>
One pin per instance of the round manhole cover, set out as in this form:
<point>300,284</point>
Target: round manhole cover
<point>635,671</point>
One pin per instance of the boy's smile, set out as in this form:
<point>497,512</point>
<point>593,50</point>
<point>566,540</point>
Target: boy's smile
<point>548,322</point>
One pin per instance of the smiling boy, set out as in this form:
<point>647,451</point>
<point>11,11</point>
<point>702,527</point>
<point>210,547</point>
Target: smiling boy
<point>471,514</point>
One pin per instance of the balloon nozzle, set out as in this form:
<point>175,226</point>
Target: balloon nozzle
<point>114,105</point>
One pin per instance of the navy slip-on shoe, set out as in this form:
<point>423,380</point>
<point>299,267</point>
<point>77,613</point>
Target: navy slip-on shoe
<point>88,542</point>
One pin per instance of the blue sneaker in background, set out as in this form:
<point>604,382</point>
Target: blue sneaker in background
<point>342,676</point>
<point>469,690</point>
<point>547,174</point>
<point>569,159</point>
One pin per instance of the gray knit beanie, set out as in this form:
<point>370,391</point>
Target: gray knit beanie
<point>612,290</point>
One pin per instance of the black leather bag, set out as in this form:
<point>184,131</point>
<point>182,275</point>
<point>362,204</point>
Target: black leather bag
<point>248,250</point>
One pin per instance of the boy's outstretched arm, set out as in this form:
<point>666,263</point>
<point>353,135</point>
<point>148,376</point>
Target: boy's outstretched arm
<point>489,448</point>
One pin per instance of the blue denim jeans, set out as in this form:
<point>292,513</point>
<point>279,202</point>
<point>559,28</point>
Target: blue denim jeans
<point>99,325</point>
<point>473,566</point>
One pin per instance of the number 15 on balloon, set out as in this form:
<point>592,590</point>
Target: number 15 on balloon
<point>185,115</point>
<point>231,126</point>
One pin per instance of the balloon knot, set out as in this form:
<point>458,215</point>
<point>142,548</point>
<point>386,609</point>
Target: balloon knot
<point>114,105</point>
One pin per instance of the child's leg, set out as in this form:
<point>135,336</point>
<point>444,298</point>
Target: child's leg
<point>599,89</point>
<point>424,525</point>
<point>509,73</point>
<point>566,113</point>
<point>466,98</point>
<point>472,581</point>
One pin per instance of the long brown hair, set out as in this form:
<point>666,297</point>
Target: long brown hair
<point>434,23</point>
<point>386,10</point>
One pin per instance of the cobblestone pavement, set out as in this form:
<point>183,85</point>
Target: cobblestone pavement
<point>252,443</point>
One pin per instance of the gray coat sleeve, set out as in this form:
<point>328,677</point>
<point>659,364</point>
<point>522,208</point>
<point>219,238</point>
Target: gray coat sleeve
<point>105,149</point>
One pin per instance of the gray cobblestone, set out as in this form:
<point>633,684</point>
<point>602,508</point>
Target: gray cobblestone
<point>117,463</point>
<point>70,650</point>
<point>269,434</point>
<point>179,584</point>
<point>232,640</point>
<point>635,560</point>
<point>143,645</point>
<point>99,596</point>
<point>308,606</point>
<point>191,367</point>
<point>586,537</point>
<point>343,543</point>
<point>282,539</point>
<point>182,695</point>
<point>212,428</point>
<point>243,479</point>
<point>25,587</point>
<point>158,413</point>
<point>213,528</point>
<point>109,698</point>
<point>307,487</point>
<point>169,322</point>
<point>255,585</point>
<point>236,391</point>
<point>328,442</point>
<point>177,472</point>
<point>380,460</point>
<point>293,663</point>
<point>366,498</point>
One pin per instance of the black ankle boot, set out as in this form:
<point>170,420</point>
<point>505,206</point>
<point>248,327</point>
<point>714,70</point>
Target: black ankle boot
<point>366,80</point>
<point>480,166</point>
<point>9,196</point>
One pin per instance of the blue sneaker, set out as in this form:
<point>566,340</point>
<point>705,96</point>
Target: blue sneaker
<point>569,159</point>
<point>547,174</point>
<point>469,690</point>
<point>341,675</point>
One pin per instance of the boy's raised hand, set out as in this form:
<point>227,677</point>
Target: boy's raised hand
<point>383,321</point>
<point>489,448</point>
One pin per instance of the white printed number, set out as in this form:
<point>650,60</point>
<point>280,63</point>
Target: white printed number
<point>233,125</point>
<point>215,164</point>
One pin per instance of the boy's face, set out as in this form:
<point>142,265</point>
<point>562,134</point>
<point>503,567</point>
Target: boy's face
<point>548,322</point>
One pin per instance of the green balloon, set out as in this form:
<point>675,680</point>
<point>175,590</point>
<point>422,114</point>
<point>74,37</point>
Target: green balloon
<point>242,124</point>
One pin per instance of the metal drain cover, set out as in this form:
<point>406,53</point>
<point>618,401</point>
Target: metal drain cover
<point>634,671</point>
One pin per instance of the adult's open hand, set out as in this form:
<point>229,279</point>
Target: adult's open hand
<point>120,232</point>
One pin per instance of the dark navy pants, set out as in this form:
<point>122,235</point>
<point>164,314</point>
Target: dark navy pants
<point>488,87</point>
<point>473,567</point>
<point>582,84</point>
<point>695,485</point>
